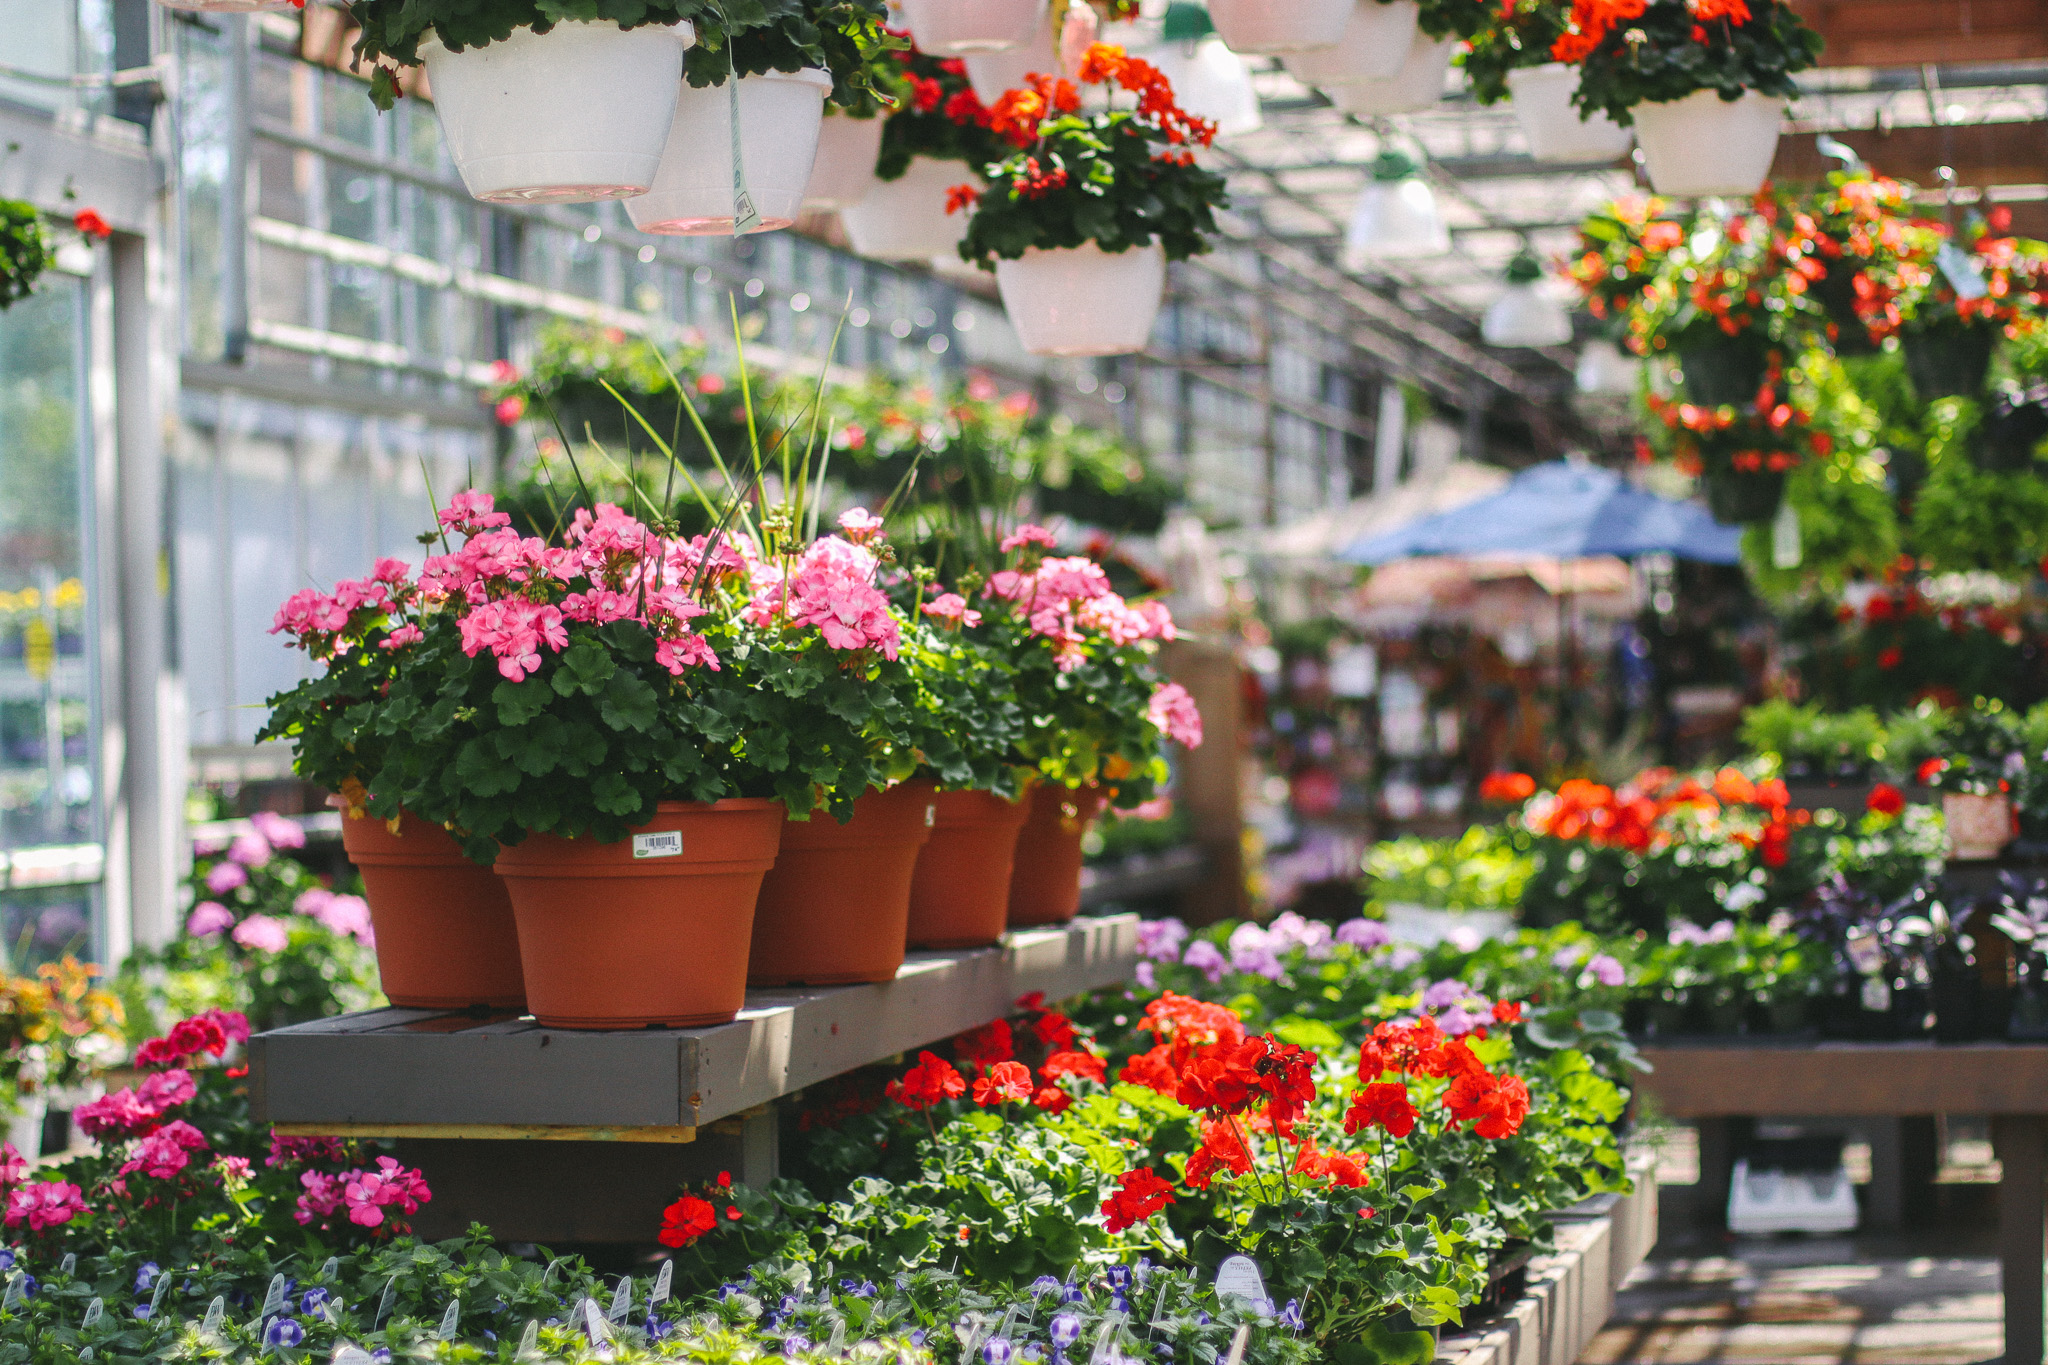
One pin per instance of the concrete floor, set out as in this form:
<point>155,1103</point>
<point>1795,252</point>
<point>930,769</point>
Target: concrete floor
<point>1925,1297</point>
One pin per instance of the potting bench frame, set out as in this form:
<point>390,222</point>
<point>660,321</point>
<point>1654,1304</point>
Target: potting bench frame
<point>1716,1079</point>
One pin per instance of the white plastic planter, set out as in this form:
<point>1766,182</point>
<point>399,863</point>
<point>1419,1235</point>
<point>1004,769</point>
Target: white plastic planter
<point>1417,85</point>
<point>1212,82</point>
<point>225,6</point>
<point>992,73</point>
<point>962,28</point>
<point>25,1125</point>
<point>1541,97</point>
<point>844,172</point>
<point>1604,368</point>
<point>1705,145</point>
<point>1281,25</point>
<point>1374,46</point>
<point>573,115</point>
<point>692,195</point>
<point>1079,301</point>
<point>905,219</point>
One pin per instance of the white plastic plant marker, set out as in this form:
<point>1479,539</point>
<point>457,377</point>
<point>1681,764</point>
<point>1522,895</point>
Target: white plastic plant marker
<point>1083,301</point>
<point>964,28</point>
<point>843,172</point>
<point>694,191</point>
<point>622,1300</point>
<point>1373,47</point>
<point>347,1353</point>
<point>1416,86</point>
<point>1238,1277</point>
<point>905,219</point>
<point>1541,97</point>
<point>69,1265</point>
<point>215,1312</point>
<point>663,1278</point>
<point>273,1298</point>
<point>451,1319</point>
<point>94,1311</point>
<point>1704,145</point>
<point>384,1301</point>
<point>529,1340</point>
<point>577,114</point>
<point>1280,25</point>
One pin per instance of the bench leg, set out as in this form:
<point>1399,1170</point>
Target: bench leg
<point>2021,1141</point>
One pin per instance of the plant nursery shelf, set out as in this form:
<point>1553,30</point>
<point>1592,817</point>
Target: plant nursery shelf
<point>422,1074</point>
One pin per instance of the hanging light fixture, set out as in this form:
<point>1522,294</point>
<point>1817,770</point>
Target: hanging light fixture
<point>1396,217</point>
<point>1209,80</point>
<point>1525,314</point>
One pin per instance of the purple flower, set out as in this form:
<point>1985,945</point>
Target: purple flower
<point>310,1304</point>
<point>1206,958</point>
<point>1044,1284</point>
<point>145,1276</point>
<point>1290,1316</point>
<point>283,1332</point>
<point>1403,957</point>
<point>250,850</point>
<point>1252,950</point>
<point>1160,940</point>
<point>997,1351</point>
<point>225,876</point>
<point>1457,1023</point>
<point>1606,970</point>
<point>1442,994</point>
<point>1146,977</point>
<point>263,933</point>
<point>280,832</point>
<point>1564,959</point>
<point>1364,934</point>
<point>209,918</point>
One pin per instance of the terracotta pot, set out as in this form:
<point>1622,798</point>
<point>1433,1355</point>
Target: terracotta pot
<point>445,937</point>
<point>652,929</point>
<point>1046,887</point>
<point>1978,826</point>
<point>960,897</point>
<point>836,907</point>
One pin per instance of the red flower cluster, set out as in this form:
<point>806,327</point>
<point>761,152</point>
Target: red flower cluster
<point>1494,1105</point>
<point>1005,1081</point>
<point>1187,1029</point>
<point>1278,1076</point>
<point>1509,789</point>
<point>1639,817</point>
<point>933,1079</point>
<point>1140,1194</point>
<point>210,1033</point>
<point>691,1217</point>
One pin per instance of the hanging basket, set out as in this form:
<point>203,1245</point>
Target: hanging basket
<point>1705,145</point>
<point>1417,85</point>
<point>1541,97</point>
<point>694,190</point>
<point>905,219</point>
<point>994,73</point>
<point>1082,301</point>
<point>576,114</point>
<point>1281,25</point>
<point>1836,293</point>
<point>1949,360</point>
<point>962,28</point>
<point>1374,46</point>
<point>1722,369</point>
<point>1738,497</point>
<point>844,172</point>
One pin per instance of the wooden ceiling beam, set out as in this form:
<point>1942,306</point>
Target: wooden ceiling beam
<point>1980,153</point>
<point>1916,32</point>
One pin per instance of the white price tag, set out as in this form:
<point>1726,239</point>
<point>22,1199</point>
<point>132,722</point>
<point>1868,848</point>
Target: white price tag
<point>667,843</point>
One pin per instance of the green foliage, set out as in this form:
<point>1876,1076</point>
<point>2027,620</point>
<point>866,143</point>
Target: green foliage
<point>1654,59</point>
<point>1829,740</point>
<point>1519,35</point>
<point>1481,869</point>
<point>1971,518</point>
<point>24,250</point>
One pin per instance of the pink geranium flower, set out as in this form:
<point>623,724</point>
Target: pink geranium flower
<point>46,1204</point>
<point>1175,713</point>
<point>226,876</point>
<point>209,918</point>
<point>263,934</point>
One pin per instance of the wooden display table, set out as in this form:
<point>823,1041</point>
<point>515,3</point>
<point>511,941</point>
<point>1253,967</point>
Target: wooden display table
<point>569,1135</point>
<point>1717,1078</point>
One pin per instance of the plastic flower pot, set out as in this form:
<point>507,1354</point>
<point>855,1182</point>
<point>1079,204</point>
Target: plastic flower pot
<point>2012,427</point>
<point>1373,46</point>
<point>445,933</point>
<point>220,7</point>
<point>1281,25</point>
<point>1212,82</point>
<point>1045,888</point>
<point>1418,83</point>
<point>1979,826</point>
<point>694,190</point>
<point>653,929</point>
<point>1541,97</point>
<point>960,897</point>
<point>1836,292</point>
<point>960,28</point>
<point>836,907</point>
<point>1079,301</point>
<point>1737,497</point>
<point>1703,144</point>
<point>25,1124</point>
<point>576,114</point>
<point>905,219</point>
<point>1722,369</point>
<point>993,73</point>
<point>843,173</point>
<point>1949,361</point>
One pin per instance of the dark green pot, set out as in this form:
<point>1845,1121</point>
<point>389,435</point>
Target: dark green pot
<point>1723,369</point>
<point>1950,360</point>
<point>1736,497</point>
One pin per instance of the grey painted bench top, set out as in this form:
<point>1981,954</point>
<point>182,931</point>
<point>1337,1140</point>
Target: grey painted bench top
<point>419,1067</point>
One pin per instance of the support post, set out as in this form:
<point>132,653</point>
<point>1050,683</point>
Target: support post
<point>2021,1141</point>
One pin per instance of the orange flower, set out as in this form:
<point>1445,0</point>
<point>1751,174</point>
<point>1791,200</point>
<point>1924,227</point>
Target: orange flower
<point>961,197</point>
<point>1885,799</point>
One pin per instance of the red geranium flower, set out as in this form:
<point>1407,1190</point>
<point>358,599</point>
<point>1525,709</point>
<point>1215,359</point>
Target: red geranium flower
<point>1005,1081</point>
<point>1073,1064</point>
<point>1052,1099</point>
<point>986,1045</point>
<point>684,1221</point>
<point>1885,799</point>
<point>1507,1011</point>
<point>924,1085</point>
<point>1507,788</point>
<point>1383,1104</point>
<point>1140,1194</point>
<point>1222,1149</point>
<point>1494,1105</point>
<point>89,222</point>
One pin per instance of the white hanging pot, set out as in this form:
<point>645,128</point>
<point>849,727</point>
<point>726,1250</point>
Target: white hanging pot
<point>1082,300</point>
<point>960,28</point>
<point>1605,368</point>
<point>1374,46</point>
<point>993,73</point>
<point>844,170</point>
<point>905,219</point>
<point>1541,97</point>
<point>1979,826</point>
<point>1395,220</point>
<point>1281,25</point>
<point>1417,85</point>
<point>1211,82</point>
<point>576,114</point>
<point>693,193</point>
<point>1705,145</point>
<point>225,6</point>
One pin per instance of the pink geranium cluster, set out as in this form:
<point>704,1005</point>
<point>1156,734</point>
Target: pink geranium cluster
<point>832,586</point>
<point>39,1205</point>
<point>137,1112</point>
<point>209,1033</point>
<point>1068,601</point>
<point>364,1194</point>
<point>166,1152</point>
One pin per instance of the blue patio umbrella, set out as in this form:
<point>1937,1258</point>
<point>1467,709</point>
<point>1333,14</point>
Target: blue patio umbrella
<point>1562,509</point>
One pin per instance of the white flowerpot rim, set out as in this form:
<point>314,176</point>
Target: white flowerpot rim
<point>655,212</point>
<point>431,38</point>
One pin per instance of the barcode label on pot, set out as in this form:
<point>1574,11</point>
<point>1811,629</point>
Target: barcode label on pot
<point>666,843</point>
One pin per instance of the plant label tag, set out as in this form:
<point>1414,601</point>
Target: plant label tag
<point>1237,1345</point>
<point>273,1298</point>
<point>931,817</point>
<point>622,1301</point>
<point>450,1319</point>
<point>1877,994</point>
<point>69,1265</point>
<point>1961,272</point>
<point>594,1323</point>
<point>1239,1277</point>
<point>663,1278</point>
<point>156,1300</point>
<point>529,1340</point>
<point>384,1301</point>
<point>745,217</point>
<point>837,1344</point>
<point>347,1354</point>
<point>93,1312</point>
<point>13,1296</point>
<point>330,1267</point>
<point>666,843</point>
<point>215,1311</point>
<point>1159,1318</point>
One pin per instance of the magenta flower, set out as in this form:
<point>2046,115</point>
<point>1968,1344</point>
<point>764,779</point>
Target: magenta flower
<point>251,850</point>
<point>46,1204</point>
<point>1606,970</point>
<point>263,934</point>
<point>278,831</point>
<point>952,607</point>
<point>166,1090</point>
<point>1176,715</point>
<point>403,636</point>
<point>209,918</point>
<point>13,1170</point>
<point>322,1197</point>
<point>226,876</point>
<point>166,1152</point>
<point>470,512</point>
<point>345,915</point>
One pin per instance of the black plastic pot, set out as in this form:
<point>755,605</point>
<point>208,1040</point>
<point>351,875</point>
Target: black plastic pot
<point>1955,1005</point>
<point>2013,425</point>
<point>1736,497</point>
<point>1723,369</point>
<point>2027,1015</point>
<point>1951,360</point>
<point>1836,293</point>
